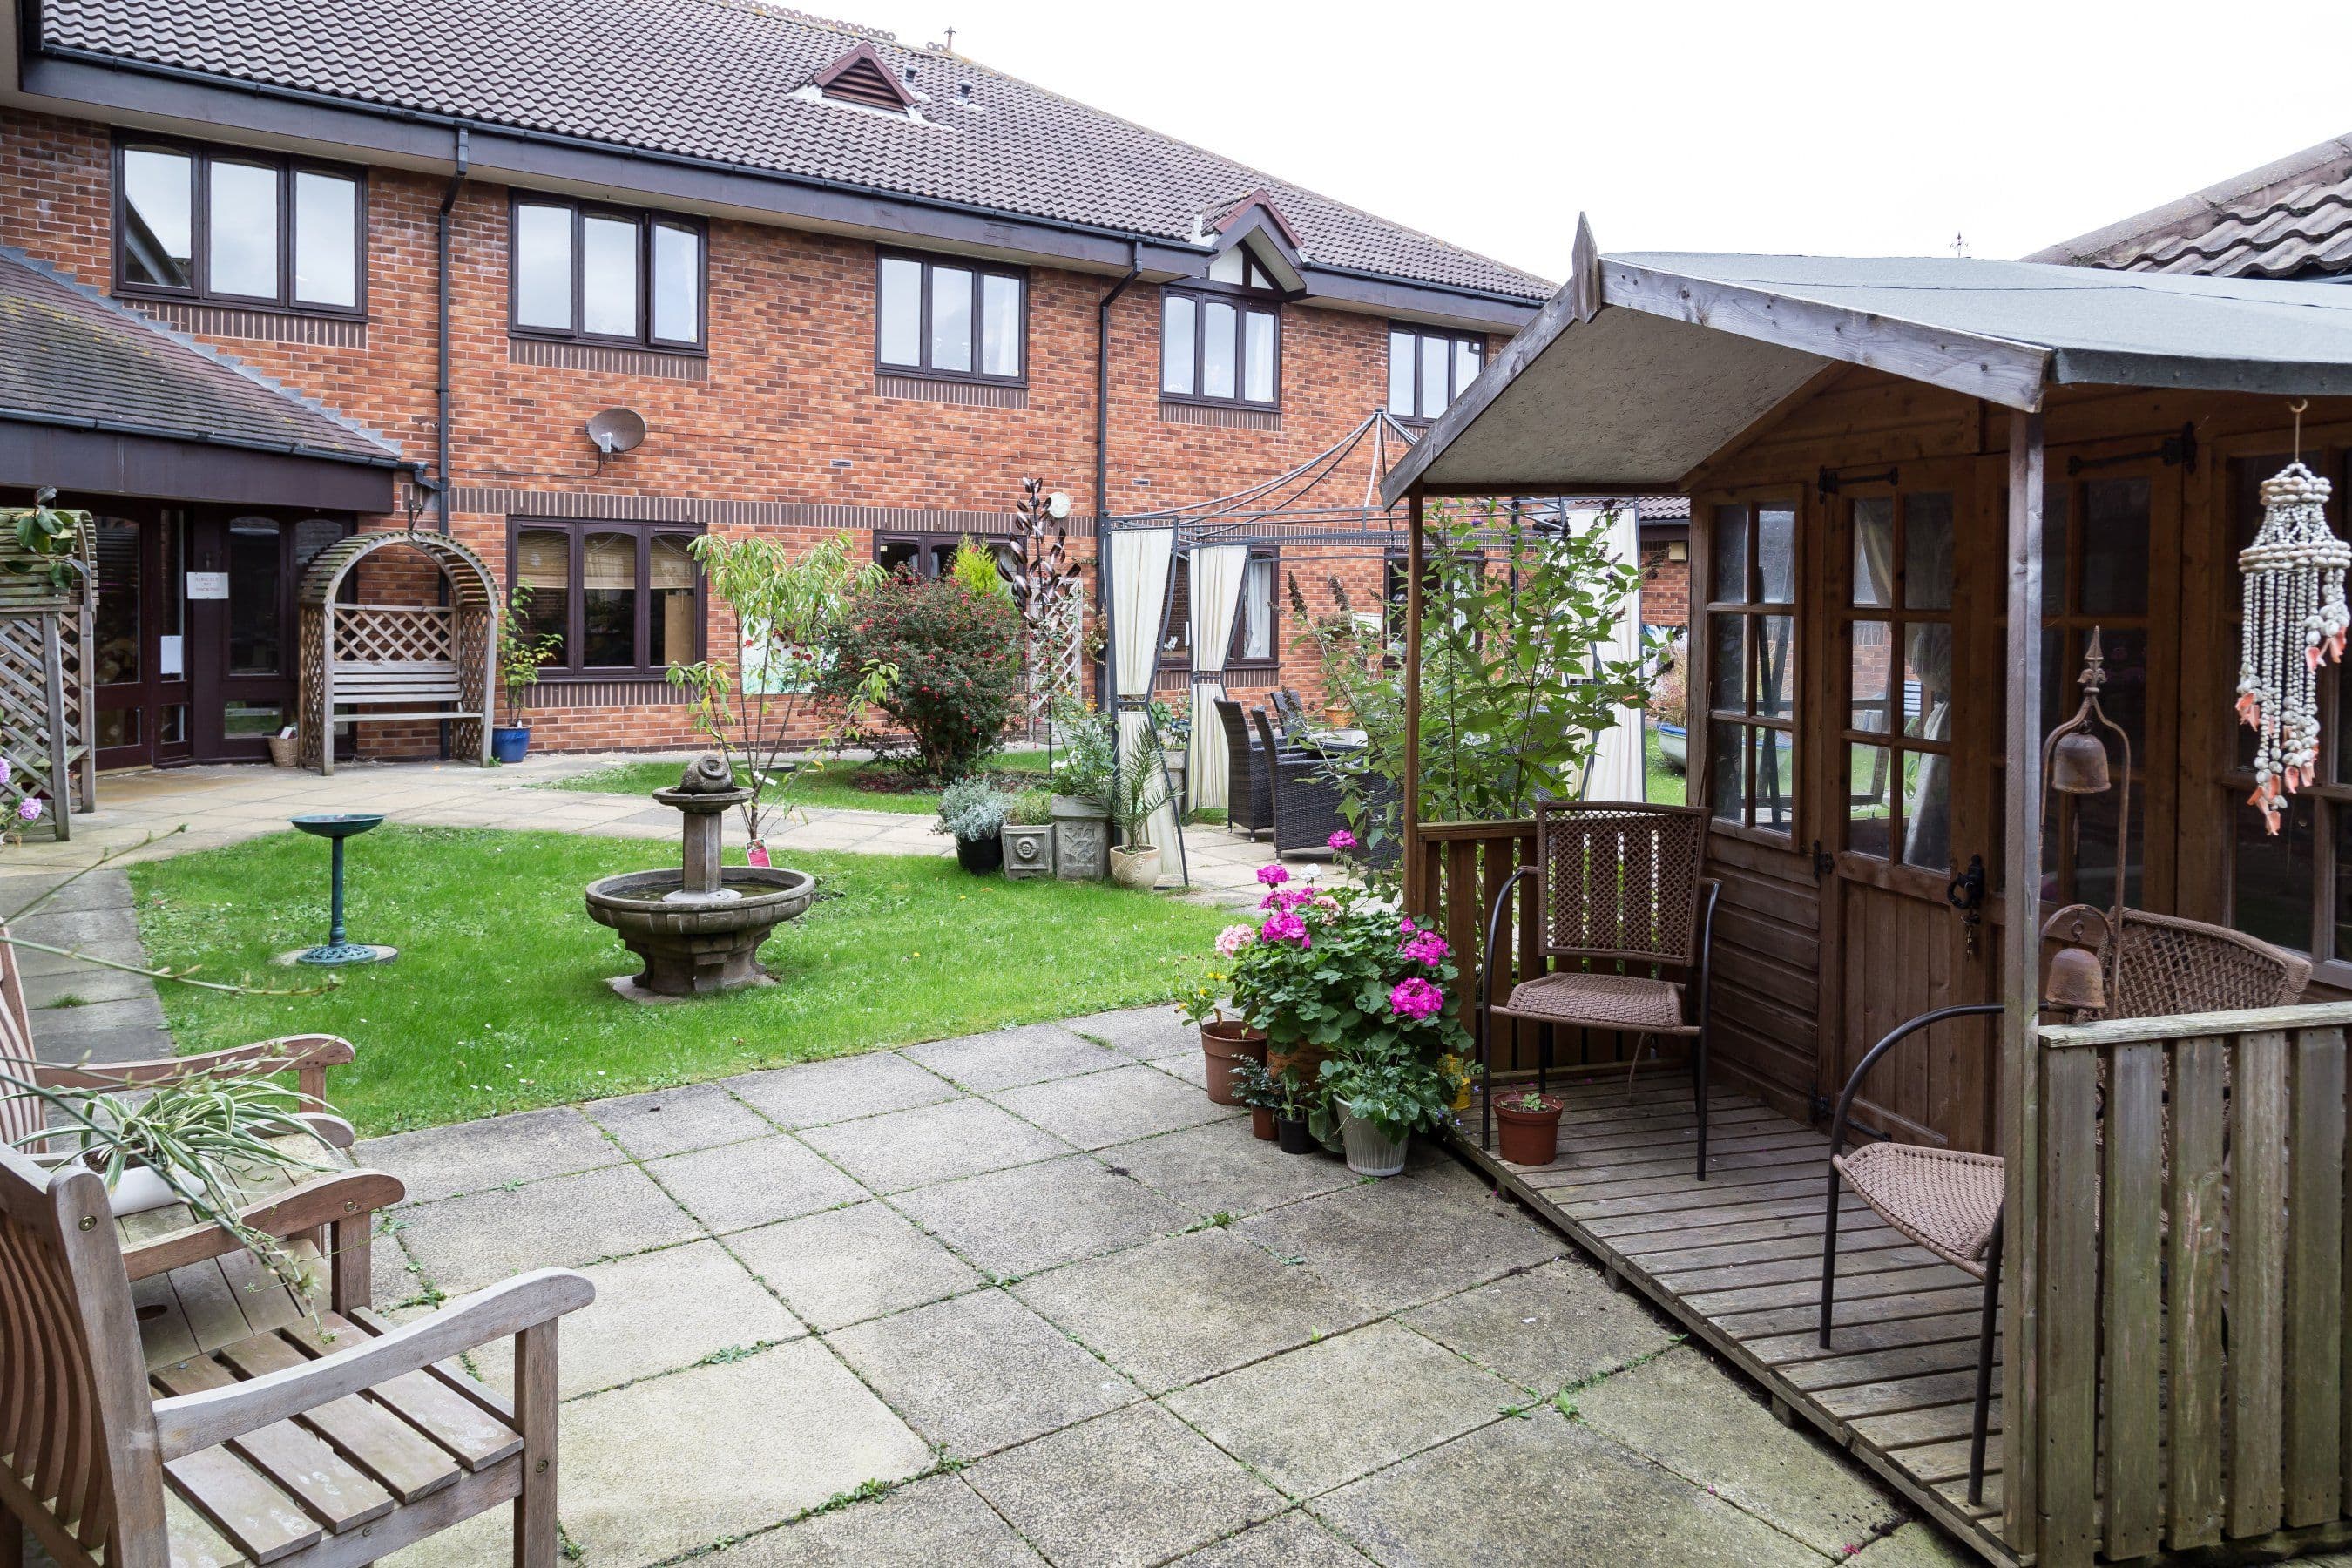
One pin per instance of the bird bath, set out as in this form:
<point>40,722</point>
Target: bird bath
<point>699,928</point>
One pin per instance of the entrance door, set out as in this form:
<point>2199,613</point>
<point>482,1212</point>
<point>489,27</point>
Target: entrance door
<point>138,658</point>
<point>244,568</point>
<point>1906,795</point>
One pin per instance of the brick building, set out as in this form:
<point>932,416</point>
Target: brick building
<point>845,284</point>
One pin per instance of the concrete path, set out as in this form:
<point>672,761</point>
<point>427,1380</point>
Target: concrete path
<point>81,1012</point>
<point>1029,1297</point>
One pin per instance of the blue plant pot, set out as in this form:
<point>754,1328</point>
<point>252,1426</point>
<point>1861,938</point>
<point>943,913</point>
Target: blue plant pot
<point>508,745</point>
<point>1673,746</point>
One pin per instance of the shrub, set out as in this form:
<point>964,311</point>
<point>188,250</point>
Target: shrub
<point>971,811</point>
<point>959,667</point>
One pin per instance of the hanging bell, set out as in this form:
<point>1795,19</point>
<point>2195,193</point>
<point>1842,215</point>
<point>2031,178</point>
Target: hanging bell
<point>2076,983</point>
<point>2078,765</point>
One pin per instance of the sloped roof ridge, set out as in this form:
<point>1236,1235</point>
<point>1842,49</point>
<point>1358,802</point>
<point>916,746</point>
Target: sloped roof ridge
<point>2322,164</point>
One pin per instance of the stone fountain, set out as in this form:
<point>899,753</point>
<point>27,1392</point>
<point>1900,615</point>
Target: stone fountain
<point>699,928</point>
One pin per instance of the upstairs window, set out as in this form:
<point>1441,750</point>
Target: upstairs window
<point>956,320</point>
<point>1428,370</point>
<point>1220,340</point>
<point>238,228</point>
<point>602,275</point>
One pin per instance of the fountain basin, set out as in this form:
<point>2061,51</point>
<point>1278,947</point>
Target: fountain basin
<point>696,944</point>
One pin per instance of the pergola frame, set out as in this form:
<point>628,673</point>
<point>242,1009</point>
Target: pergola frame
<point>427,663</point>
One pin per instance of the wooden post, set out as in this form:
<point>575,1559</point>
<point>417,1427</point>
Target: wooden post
<point>1416,895</point>
<point>61,797</point>
<point>2020,988</point>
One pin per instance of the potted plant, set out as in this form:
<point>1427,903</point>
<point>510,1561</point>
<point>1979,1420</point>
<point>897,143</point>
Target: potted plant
<point>520,653</point>
<point>1385,1090</point>
<point>1172,720</point>
<point>1279,1107</point>
<point>1081,791</point>
<point>1136,796</point>
<point>1231,1047</point>
<point>974,814</point>
<point>1530,1126</point>
<point>1028,836</point>
<point>1255,1087</point>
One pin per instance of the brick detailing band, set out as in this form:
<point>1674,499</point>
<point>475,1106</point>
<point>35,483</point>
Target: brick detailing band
<point>1221,418</point>
<point>596,356</point>
<point>272,326</point>
<point>971,395</point>
<point>486,501</point>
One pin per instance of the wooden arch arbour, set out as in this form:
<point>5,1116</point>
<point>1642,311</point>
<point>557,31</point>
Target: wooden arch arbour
<point>385,663</point>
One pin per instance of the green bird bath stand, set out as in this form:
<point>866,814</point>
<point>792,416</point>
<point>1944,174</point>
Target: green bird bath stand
<point>335,828</point>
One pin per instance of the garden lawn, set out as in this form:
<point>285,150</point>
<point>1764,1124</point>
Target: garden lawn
<point>498,1000</point>
<point>865,786</point>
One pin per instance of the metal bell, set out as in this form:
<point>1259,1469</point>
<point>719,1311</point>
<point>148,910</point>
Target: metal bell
<point>2076,983</point>
<point>2078,765</point>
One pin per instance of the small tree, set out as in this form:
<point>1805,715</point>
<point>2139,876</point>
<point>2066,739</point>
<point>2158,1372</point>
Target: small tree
<point>786,607</point>
<point>976,569</point>
<point>520,653</point>
<point>957,655</point>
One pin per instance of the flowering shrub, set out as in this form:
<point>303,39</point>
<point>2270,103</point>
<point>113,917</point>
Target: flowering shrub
<point>957,655</point>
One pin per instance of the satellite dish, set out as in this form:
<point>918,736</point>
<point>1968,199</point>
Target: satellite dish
<point>1057,506</point>
<point>617,430</point>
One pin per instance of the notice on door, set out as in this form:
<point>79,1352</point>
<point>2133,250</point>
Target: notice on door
<point>208,585</point>
<point>168,659</point>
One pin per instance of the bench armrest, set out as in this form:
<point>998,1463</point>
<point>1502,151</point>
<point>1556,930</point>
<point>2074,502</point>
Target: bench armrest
<point>308,1057</point>
<point>347,1195</point>
<point>193,1422</point>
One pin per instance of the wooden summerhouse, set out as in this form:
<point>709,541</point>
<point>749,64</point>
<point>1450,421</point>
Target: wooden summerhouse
<point>387,663</point>
<point>1918,486</point>
<point>46,716</point>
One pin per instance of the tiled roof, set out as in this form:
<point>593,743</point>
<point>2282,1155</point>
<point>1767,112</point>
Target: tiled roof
<point>721,80</point>
<point>68,355</point>
<point>2291,219</point>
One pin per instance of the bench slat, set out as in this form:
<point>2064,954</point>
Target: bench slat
<point>457,1423</point>
<point>258,1520</point>
<point>371,1437</point>
<point>335,1493</point>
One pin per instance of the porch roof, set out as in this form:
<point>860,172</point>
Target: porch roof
<point>1644,365</point>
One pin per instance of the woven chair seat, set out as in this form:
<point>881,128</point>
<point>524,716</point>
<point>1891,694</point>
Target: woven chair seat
<point>1603,1001</point>
<point>1945,1200</point>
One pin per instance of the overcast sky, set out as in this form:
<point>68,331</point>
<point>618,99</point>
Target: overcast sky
<point>1867,129</point>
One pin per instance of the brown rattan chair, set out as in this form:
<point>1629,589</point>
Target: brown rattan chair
<point>1627,925</point>
<point>1950,1201</point>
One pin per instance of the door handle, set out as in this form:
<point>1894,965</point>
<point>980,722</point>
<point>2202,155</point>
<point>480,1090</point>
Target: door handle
<point>1965,893</point>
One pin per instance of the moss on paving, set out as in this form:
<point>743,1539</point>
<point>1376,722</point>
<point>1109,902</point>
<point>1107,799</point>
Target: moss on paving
<point>862,787</point>
<point>498,1000</point>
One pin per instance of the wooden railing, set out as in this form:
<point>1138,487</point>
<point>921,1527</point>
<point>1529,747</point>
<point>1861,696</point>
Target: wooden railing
<point>2185,1383</point>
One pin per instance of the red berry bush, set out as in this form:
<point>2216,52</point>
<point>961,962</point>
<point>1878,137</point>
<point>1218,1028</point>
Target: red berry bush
<point>959,663</point>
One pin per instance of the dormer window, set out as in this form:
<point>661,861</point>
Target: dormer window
<point>1237,266</point>
<point>861,77</point>
<point>1220,336</point>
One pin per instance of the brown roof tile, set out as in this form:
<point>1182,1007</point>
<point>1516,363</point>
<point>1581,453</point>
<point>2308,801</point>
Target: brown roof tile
<point>2291,219</point>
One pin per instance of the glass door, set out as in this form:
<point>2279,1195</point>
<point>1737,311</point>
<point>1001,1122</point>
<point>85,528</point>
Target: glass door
<point>241,604</point>
<point>138,658</point>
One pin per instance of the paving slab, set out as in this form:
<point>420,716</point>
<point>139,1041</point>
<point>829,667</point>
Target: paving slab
<point>847,1265</point>
<point>1547,1328</point>
<point>676,1120</point>
<point>1681,1411</point>
<point>1003,1059</point>
<point>1145,1032</point>
<point>1189,1307</point>
<point>903,1149</point>
<point>1034,1217</point>
<point>30,962</point>
<point>1122,1491</point>
<point>1104,1107</point>
<point>1322,1415</point>
<point>465,1243</point>
<point>979,1373</point>
<point>840,1090</point>
<point>1191,1068</point>
<point>678,1462</point>
<point>1220,1168</point>
<point>474,1156</point>
<point>655,1312</point>
<point>930,1524</point>
<point>1293,1541</point>
<point>1540,1488</point>
<point>1400,1242</point>
<point>61,1029</point>
<point>1922,1545</point>
<point>87,982</point>
<point>736,1185</point>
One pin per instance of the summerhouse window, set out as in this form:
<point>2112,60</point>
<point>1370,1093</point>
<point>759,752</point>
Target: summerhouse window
<point>1221,340</point>
<point>604,275</point>
<point>1751,696</point>
<point>1899,690</point>
<point>1428,370</point>
<point>952,318</point>
<point>619,599</point>
<point>235,228</point>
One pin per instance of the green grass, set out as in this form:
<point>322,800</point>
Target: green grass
<point>497,1000</point>
<point>1664,785</point>
<point>862,787</point>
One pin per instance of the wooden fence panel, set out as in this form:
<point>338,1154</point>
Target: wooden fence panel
<point>2315,1277</point>
<point>2194,1258</point>
<point>2132,1284</point>
<point>2257,1261</point>
<point>2069,1384</point>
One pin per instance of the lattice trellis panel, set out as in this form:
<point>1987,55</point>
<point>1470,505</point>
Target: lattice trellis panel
<point>379,633</point>
<point>1057,662</point>
<point>32,714</point>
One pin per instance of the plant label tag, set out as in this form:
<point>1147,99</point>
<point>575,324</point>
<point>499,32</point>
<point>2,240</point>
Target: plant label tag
<point>756,855</point>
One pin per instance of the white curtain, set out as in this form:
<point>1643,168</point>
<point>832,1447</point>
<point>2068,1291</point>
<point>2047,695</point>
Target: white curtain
<point>1217,573</point>
<point>1617,771</point>
<point>1138,570</point>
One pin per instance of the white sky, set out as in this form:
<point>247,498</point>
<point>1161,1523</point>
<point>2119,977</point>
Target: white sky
<point>1860,128</point>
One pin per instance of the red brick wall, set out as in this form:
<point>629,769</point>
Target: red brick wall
<point>1665,588</point>
<point>788,414</point>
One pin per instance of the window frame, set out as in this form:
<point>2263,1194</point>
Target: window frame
<point>1181,627</point>
<point>1900,616</point>
<point>645,220</point>
<point>285,167</point>
<point>1417,332</point>
<point>928,540</point>
<point>1244,299</point>
<point>1753,610</point>
<point>569,669</point>
<point>980,271</point>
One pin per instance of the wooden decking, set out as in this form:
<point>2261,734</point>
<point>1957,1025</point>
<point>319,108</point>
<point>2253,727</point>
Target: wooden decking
<point>1737,1259</point>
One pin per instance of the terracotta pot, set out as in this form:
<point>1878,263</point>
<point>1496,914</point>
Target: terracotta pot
<point>1261,1122</point>
<point>1528,1137</point>
<point>1228,1042</point>
<point>1339,715</point>
<point>1293,1136</point>
<point>1306,1059</point>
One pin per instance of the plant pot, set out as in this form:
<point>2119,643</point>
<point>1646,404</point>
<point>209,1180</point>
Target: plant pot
<point>1077,808</point>
<point>1080,844</point>
<point>1136,868</point>
<point>508,745</point>
<point>1293,1136</point>
<point>980,857</point>
<point>1262,1123</point>
<point>1028,850</point>
<point>1527,1136</point>
<point>285,751</point>
<point>140,1190</point>
<point>1371,1151</point>
<point>1339,715</point>
<point>1228,1042</point>
<point>1673,746</point>
<point>1306,1060</point>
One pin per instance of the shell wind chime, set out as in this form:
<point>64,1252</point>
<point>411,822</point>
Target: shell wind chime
<point>2296,618</point>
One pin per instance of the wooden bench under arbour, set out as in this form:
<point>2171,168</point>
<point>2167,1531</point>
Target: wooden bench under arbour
<point>381,663</point>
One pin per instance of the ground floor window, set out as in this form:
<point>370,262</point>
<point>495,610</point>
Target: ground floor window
<point>1254,641</point>
<point>616,598</point>
<point>1751,687</point>
<point>932,554</point>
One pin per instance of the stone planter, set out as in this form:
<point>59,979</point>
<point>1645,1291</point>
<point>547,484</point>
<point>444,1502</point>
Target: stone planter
<point>1528,1137</point>
<point>1028,850</point>
<point>1372,1151</point>
<point>1137,869</point>
<point>1081,839</point>
<point>1227,1043</point>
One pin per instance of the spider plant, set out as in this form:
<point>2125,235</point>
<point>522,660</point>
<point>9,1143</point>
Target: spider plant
<point>198,1134</point>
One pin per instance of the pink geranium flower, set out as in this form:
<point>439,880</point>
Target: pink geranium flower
<point>28,810</point>
<point>1234,937</point>
<point>1415,999</point>
<point>1341,841</point>
<point>1273,875</point>
<point>1286,927</point>
<point>1426,947</point>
